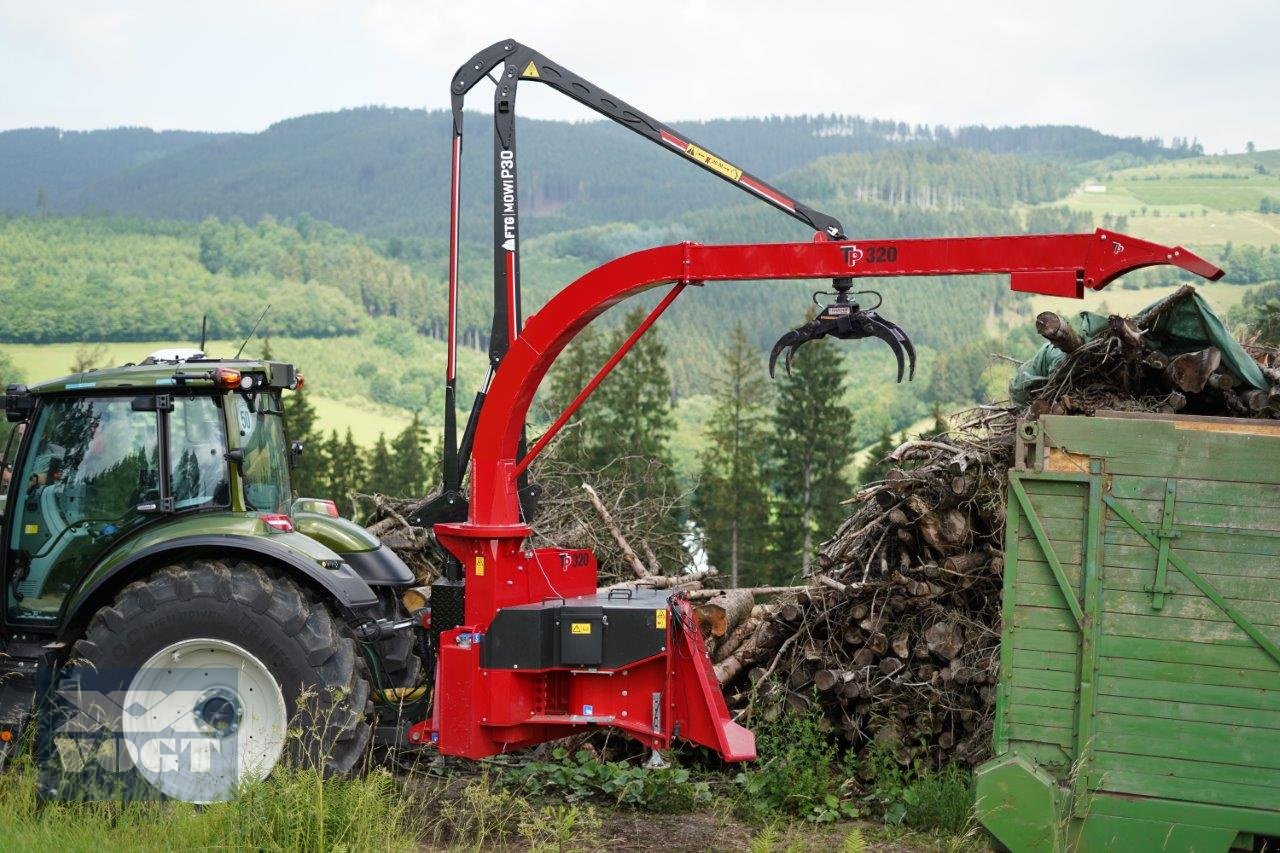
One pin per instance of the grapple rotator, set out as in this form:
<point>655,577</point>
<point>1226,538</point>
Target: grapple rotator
<point>847,320</point>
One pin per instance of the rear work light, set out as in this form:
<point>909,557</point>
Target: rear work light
<point>278,523</point>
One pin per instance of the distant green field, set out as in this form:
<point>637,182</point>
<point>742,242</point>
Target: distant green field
<point>1114,301</point>
<point>1201,201</point>
<point>325,362</point>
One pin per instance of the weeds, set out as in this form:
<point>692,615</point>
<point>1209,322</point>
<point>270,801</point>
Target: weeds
<point>294,810</point>
<point>918,796</point>
<point>584,776</point>
<point>795,775</point>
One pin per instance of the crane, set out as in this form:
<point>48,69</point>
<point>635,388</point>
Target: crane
<point>527,648</point>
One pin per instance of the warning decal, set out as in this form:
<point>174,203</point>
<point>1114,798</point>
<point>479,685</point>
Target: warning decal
<point>579,627</point>
<point>479,567</point>
<point>713,162</point>
<point>530,70</point>
<point>660,619</point>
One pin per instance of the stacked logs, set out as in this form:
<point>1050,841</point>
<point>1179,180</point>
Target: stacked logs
<point>896,638</point>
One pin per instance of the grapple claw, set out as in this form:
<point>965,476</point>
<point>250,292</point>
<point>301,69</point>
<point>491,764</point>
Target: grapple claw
<point>897,340</point>
<point>846,321</point>
<point>790,341</point>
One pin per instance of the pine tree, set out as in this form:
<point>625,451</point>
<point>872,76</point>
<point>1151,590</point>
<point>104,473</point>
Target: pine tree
<point>627,424</point>
<point>812,446</point>
<point>409,460</point>
<point>731,502</point>
<point>633,414</point>
<point>310,472</point>
<point>875,466</point>
<point>573,370</point>
<point>346,471</point>
<point>380,474</point>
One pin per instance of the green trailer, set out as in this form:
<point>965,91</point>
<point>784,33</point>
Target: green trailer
<point>1139,698</point>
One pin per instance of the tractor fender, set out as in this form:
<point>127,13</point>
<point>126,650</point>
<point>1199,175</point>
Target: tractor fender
<point>342,584</point>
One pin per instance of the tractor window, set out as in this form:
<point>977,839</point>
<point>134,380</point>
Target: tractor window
<point>266,459</point>
<point>197,454</point>
<point>91,476</point>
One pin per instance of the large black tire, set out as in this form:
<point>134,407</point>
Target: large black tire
<point>316,666</point>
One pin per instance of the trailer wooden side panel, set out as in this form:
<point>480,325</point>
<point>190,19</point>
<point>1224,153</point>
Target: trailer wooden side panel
<point>1139,698</point>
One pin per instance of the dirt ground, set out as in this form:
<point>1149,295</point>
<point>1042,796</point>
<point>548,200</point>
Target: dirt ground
<point>713,829</point>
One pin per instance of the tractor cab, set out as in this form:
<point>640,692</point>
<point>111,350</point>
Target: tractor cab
<point>100,456</point>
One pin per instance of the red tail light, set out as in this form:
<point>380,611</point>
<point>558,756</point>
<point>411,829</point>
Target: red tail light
<point>330,508</point>
<point>278,523</point>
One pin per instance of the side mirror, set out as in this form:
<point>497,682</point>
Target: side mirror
<point>236,458</point>
<point>18,404</point>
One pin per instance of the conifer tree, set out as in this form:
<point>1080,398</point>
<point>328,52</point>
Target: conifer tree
<point>874,467</point>
<point>813,444</point>
<point>572,371</point>
<point>409,460</point>
<point>731,503</point>
<point>345,470</point>
<point>380,474</point>
<point>633,406</point>
<point>309,473</point>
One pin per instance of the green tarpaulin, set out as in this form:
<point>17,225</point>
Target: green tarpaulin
<point>1188,325</point>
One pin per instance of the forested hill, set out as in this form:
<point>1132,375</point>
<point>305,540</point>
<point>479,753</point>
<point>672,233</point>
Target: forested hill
<point>50,165</point>
<point>385,171</point>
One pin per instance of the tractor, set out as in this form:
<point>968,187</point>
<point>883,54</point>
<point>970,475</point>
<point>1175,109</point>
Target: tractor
<point>164,588</point>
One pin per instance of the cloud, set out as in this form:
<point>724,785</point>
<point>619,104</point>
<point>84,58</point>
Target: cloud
<point>1149,68</point>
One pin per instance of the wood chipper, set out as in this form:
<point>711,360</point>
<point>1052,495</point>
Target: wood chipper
<point>528,650</point>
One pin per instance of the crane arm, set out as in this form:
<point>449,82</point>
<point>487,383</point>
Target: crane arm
<point>1054,265</point>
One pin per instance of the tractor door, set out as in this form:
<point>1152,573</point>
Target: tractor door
<point>91,476</point>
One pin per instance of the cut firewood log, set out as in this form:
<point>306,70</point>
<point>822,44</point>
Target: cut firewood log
<point>826,679</point>
<point>1190,371</point>
<point>1222,381</point>
<point>944,639</point>
<point>967,562</point>
<point>1056,330</point>
<point>955,527</point>
<point>722,614</point>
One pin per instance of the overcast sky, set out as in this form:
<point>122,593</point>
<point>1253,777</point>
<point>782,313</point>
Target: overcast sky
<point>1151,68</point>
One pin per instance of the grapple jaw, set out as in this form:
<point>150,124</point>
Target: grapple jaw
<point>844,319</point>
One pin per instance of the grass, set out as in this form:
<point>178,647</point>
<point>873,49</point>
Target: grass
<point>1196,202</point>
<point>290,811</point>
<point>340,394</point>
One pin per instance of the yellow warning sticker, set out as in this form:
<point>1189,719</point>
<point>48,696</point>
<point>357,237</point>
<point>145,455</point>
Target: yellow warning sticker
<point>660,619</point>
<point>713,162</point>
<point>530,70</point>
<point>579,627</point>
<point>31,529</point>
<point>479,567</point>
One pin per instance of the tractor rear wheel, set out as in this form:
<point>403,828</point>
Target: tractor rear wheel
<point>220,672</point>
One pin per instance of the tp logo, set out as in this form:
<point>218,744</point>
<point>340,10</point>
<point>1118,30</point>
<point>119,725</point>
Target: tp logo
<point>852,254</point>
